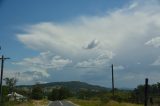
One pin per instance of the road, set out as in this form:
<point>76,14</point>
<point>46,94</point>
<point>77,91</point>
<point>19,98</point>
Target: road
<point>61,103</point>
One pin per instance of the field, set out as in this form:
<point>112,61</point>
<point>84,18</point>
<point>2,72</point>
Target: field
<point>98,103</point>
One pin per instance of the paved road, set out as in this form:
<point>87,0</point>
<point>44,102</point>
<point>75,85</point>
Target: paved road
<point>61,103</point>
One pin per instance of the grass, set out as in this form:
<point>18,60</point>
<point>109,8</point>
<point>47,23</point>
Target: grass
<point>43,102</point>
<point>113,103</point>
<point>98,103</point>
<point>28,103</point>
<point>11,103</point>
<point>86,102</point>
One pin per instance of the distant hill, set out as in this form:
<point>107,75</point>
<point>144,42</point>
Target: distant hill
<point>72,85</point>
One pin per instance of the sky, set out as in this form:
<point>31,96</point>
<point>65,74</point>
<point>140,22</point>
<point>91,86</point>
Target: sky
<point>78,40</point>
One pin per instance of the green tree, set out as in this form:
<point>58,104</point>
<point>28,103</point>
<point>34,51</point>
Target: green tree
<point>10,83</point>
<point>59,94</point>
<point>86,94</point>
<point>54,95</point>
<point>37,92</point>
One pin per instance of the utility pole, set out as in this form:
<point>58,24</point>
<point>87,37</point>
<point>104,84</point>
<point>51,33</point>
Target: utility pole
<point>2,65</point>
<point>112,80</point>
<point>146,92</point>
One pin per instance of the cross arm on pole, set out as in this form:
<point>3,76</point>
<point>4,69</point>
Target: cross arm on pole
<point>4,58</point>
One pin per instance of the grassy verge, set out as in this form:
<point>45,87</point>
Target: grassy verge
<point>40,102</point>
<point>98,103</point>
<point>28,103</point>
<point>86,102</point>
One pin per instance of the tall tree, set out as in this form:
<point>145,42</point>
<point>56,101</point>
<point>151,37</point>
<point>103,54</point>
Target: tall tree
<point>10,83</point>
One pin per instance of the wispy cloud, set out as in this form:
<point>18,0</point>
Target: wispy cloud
<point>119,67</point>
<point>155,42</point>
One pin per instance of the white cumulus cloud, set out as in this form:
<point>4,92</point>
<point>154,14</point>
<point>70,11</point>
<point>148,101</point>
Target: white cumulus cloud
<point>113,30</point>
<point>102,60</point>
<point>116,36</point>
<point>39,65</point>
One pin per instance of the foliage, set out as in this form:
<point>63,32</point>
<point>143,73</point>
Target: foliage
<point>104,99</point>
<point>5,91</point>
<point>10,83</point>
<point>138,94</point>
<point>85,94</point>
<point>121,96</point>
<point>153,90</point>
<point>59,94</point>
<point>37,92</point>
<point>25,92</point>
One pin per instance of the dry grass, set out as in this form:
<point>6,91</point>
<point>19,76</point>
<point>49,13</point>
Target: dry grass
<point>113,103</point>
<point>40,102</point>
<point>86,102</point>
<point>98,103</point>
<point>29,103</point>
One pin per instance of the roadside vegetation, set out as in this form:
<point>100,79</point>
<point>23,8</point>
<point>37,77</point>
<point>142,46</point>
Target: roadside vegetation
<point>39,95</point>
<point>99,103</point>
<point>15,103</point>
<point>27,103</point>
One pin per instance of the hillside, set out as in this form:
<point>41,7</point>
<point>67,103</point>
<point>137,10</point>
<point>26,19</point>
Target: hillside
<point>72,85</point>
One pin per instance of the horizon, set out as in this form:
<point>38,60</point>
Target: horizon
<point>54,41</point>
<point>125,88</point>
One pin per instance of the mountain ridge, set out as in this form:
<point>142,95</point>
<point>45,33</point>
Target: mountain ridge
<point>72,85</point>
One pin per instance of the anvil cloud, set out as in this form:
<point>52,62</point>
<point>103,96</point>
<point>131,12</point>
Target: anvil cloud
<point>125,36</point>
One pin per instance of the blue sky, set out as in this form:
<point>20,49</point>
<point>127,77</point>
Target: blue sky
<point>65,40</point>
<point>17,13</point>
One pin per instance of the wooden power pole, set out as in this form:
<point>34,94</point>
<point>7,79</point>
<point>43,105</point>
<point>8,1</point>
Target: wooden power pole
<point>146,92</point>
<point>2,65</point>
<point>112,80</point>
